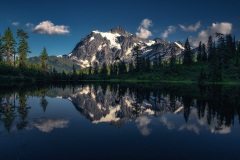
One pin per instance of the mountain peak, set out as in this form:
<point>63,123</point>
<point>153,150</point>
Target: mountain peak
<point>120,30</point>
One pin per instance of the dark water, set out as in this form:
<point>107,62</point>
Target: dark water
<point>119,121</point>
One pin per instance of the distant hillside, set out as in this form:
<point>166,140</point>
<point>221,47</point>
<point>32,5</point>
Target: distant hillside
<point>58,63</point>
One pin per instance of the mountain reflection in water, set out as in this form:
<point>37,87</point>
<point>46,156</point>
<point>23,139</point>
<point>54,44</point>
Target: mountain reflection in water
<point>131,120</point>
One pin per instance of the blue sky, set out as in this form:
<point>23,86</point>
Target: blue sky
<point>59,25</point>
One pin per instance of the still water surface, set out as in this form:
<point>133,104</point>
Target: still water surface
<point>119,121</point>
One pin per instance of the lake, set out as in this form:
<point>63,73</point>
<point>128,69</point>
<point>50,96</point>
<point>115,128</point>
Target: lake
<point>119,121</point>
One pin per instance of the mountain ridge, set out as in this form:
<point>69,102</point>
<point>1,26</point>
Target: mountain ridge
<point>117,43</point>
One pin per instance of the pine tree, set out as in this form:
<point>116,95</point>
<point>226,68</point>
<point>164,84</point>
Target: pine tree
<point>64,76</point>
<point>222,51</point>
<point>199,56</point>
<point>74,74</point>
<point>9,44</point>
<point>148,65</point>
<point>23,48</point>
<point>111,70</point>
<point>74,70</point>
<point>204,53</point>
<point>43,103</point>
<point>210,49</point>
<point>155,63</point>
<point>103,70</point>
<point>237,55</point>
<point>95,68</point>
<point>234,47</point>
<point>159,61</point>
<point>216,62</point>
<point>115,69</point>
<point>173,62</point>
<point>43,57</point>
<point>1,49</point>
<point>187,59</point>
<point>122,69</point>
<point>136,53</point>
<point>90,69</point>
<point>230,44</point>
<point>131,68</point>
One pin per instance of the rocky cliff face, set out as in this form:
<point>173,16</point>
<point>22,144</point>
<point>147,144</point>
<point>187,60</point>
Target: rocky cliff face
<point>118,44</point>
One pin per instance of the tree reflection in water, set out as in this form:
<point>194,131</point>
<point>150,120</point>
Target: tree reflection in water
<point>119,103</point>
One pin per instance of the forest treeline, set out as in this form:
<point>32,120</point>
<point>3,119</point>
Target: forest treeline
<point>216,61</point>
<point>209,101</point>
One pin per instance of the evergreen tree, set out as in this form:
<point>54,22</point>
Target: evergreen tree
<point>199,56</point>
<point>216,62</point>
<point>74,70</point>
<point>148,65</point>
<point>142,64</point>
<point>131,68</point>
<point>64,76</point>
<point>159,61</point>
<point>1,49</point>
<point>95,68</point>
<point>111,70</point>
<point>122,69</point>
<point>155,63</point>
<point>237,55</point>
<point>90,69</point>
<point>204,53</point>
<point>23,48</point>
<point>136,53</point>
<point>234,47</point>
<point>173,62</point>
<point>187,59</point>
<point>9,44</point>
<point>74,73</point>
<point>43,103</point>
<point>115,69</point>
<point>103,70</point>
<point>23,111</point>
<point>230,46</point>
<point>210,49</point>
<point>222,51</point>
<point>43,57</point>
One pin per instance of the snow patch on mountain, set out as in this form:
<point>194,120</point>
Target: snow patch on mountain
<point>91,39</point>
<point>70,54</point>
<point>112,37</point>
<point>179,45</point>
<point>93,59</point>
<point>84,63</point>
<point>150,43</point>
<point>111,116</point>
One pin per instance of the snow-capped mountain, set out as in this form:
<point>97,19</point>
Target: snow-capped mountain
<point>118,44</point>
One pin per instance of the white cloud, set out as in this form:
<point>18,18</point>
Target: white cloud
<point>142,124</point>
<point>167,123</point>
<point>213,127</point>
<point>146,23</point>
<point>190,127</point>
<point>47,27</point>
<point>47,125</point>
<point>29,25</point>
<point>191,28</point>
<point>223,27</point>
<point>143,31</point>
<point>15,24</point>
<point>169,30</point>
